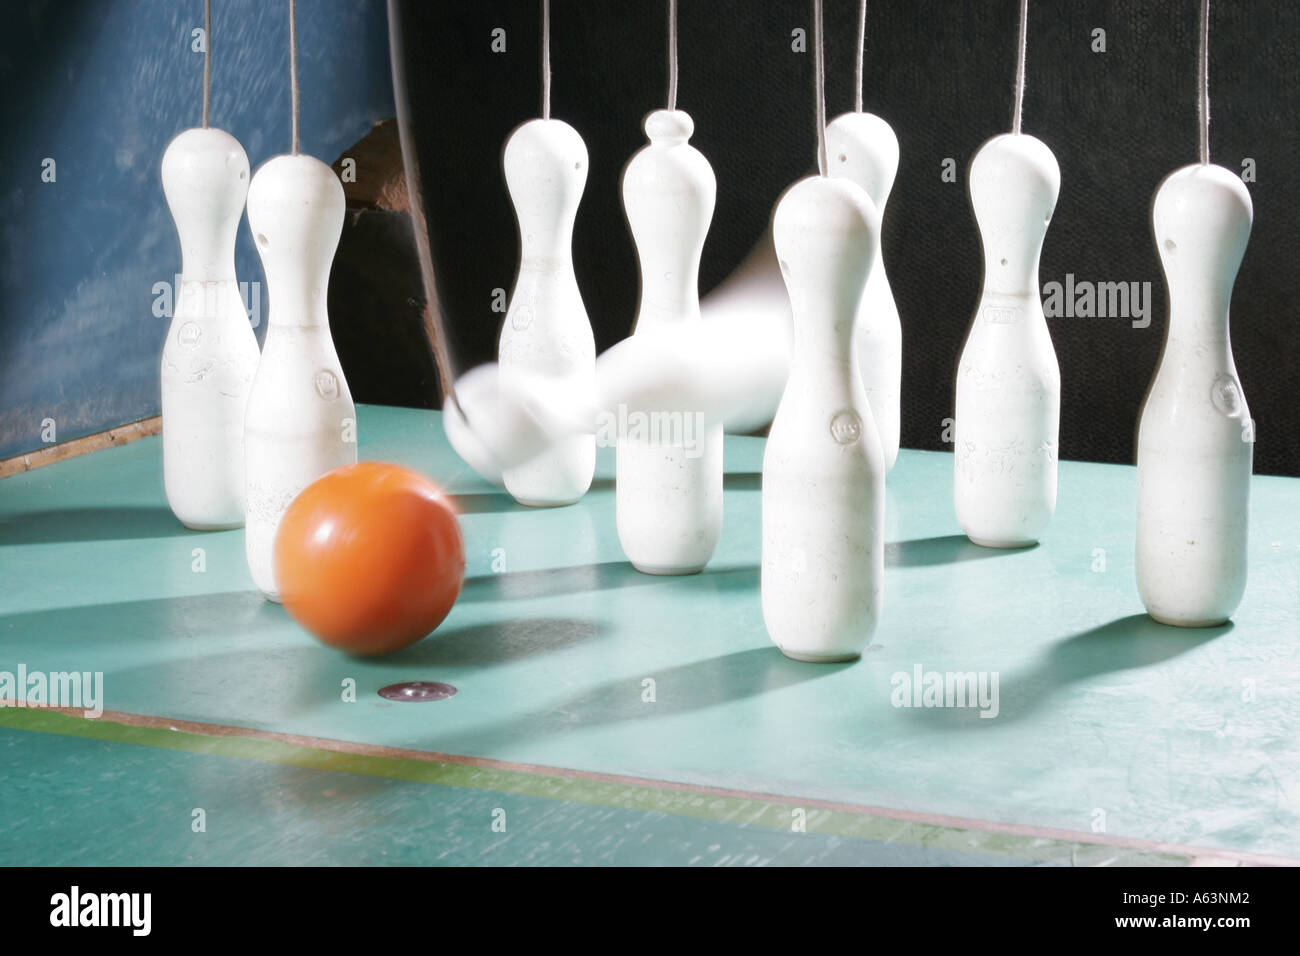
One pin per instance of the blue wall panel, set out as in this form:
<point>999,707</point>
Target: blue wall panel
<point>101,87</point>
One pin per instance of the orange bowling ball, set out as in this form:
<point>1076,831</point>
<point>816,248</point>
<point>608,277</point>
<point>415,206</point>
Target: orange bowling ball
<point>369,558</point>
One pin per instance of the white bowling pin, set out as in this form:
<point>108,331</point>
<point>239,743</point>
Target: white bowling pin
<point>1195,435</point>
<point>546,330</point>
<point>668,487</point>
<point>210,356</point>
<point>1008,383</point>
<point>862,147</point>
<point>301,422</point>
<point>823,470</point>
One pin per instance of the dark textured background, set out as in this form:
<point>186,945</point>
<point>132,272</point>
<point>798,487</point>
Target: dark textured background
<point>941,72</point>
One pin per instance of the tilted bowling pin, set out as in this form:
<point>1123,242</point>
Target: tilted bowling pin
<point>210,355</point>
<point>1008,383</point>
<point>669,484</point>
<point>823,470</point>
<point>546,331</point>
<point>862,147</point>
<point>301,422</point>
<point>1195,435</point>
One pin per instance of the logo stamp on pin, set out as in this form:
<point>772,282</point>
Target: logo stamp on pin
<point>189,334</point>
<point>1000,315</point>
<point>846,427</point>
<point>327,386</point>
<point>1226,396</point>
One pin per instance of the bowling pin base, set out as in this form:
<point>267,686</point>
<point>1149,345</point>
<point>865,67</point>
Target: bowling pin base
<point>1002,545</point>
<point>212,526</point>
<point>808,658</point>
<point>1172,622</point>
<point>544,503</point>
<point>665,571</point>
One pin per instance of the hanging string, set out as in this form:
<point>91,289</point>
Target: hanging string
<point>862,42</point>
<point>819,69</point>
<point>1020,66</point>
<point>293,70</point>
<point>207,58</point>
<point>672,54</point>
<point>1203,83</point>
<point>546,59</point>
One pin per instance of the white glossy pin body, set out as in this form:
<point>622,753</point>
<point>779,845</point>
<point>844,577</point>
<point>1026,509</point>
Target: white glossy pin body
<point>668,488</point>
<point>1008,381</point>
<point>210,355</point>
<point>862,147</point>
<point>546,330</point>
<point>1195,435</point>
<point>301,421</point>
<point>823,469</point>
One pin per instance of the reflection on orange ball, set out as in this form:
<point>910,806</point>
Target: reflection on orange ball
<point>369,558</point>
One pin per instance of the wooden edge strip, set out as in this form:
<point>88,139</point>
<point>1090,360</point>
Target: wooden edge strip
<point>1198,856</point>
<point>80,446</point>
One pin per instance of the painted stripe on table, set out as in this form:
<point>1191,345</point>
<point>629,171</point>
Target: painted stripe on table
<point>721,805</point>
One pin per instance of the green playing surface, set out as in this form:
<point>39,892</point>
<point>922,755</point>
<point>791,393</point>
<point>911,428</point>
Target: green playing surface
<point>605,716</point>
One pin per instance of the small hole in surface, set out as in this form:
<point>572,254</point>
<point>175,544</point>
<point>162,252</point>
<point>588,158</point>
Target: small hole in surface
<point>262,240</point>
<point>1171,246</point>
<point>577,165</point>
<point>1004,261</point>
<point>241,174</point>
<point>843,158</point>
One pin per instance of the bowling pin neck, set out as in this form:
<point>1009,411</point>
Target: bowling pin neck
<point>205,180</point>
<point>295,211</point>
<point>1201,218</point>
<point>669,192</point>
<point>1014,183</point>
<point>864,148</point>
<point>826,233</point>
<point>545,163</point>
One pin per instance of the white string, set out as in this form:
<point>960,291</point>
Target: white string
<point>672,54</point>
<point>207,58</point>
<point>1203,83</point>
<point>819,68</point>
<point>546,59</point>
<point>293,71</point>
<point>1020,66</point>
<point>862,42</point>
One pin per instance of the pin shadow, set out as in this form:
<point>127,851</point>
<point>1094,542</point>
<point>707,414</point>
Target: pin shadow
<point>109,523</point>
<point>944,549</point>
<point>496,642</point>
<point>545,582</point>
<point>1123,644</point>
<point>683,689</point>
<point>484,502</point>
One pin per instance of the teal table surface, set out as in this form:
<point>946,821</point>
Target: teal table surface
<point>1108,725</point>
